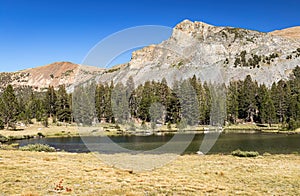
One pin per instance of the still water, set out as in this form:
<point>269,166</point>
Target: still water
<point>226,143</point>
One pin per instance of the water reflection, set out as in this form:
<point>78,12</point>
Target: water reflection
<point>272,143</point>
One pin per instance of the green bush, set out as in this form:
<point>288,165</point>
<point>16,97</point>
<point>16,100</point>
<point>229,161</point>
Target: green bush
<point>117,127</point>
<point>3,138</point>
<point>1,125</point>
<point>143,125</point>
<point>45,121</point>
<point>240,153</point>
<point>169,125</point>
<point>38,148</point>
<point>13,146</point>
<point>181,124</point>
<point>266,154</point>
<point>40,134</point>
<point>153,125</point>
<point>293,124</point>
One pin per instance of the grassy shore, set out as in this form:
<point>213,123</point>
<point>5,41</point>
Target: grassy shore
<point>67,130</point>
<point>40,173</point>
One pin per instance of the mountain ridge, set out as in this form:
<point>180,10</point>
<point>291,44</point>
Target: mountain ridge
<point>54,74</point>
<point>199,48</point>
<point>291,32</point>
<point>193,48</point>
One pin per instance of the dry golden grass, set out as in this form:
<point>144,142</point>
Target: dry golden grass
<point>33,130</point>
<point>39,173</point>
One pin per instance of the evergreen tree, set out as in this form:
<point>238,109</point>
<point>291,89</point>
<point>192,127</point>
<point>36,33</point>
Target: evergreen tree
<point>84,110</point>
<point>280,94</point>
<point>232,102</point>
<point>206,107</point>
<point>108,113</point>
<point>197,85</point>
<point>120,103</point>
<point>131,97</point>
<point>265,106</point>
<point>147,99</point>
<point>50,102</point>
<point>9,107</point>
<point>63,105</point>
<point>173,108</point>
<point>218,104</point>
<point>189,102</point>
<point>294,107</point>
<point>247,102</point>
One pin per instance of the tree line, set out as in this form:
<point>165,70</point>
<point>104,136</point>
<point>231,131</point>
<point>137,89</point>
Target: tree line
<point>24,105</point>
<point>189,101</point>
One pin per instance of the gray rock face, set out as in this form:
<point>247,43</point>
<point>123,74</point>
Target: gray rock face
<point>217,54</point>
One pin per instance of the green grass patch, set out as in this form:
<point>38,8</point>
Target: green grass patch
<point>3,138</point>
<point>240,153</point>
<point>38,148</point>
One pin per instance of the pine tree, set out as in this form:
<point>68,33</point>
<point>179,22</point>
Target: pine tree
<point>232,102</point>
<point>280,94</point>
<point>206,107</point>
<point>50,102</point>
<point>131,98</point>
<point>189,102</point>
<point>265,106</point>
<point>100,101</point>
<point>9,107</point>
<point>119,103</point>
<point>108,113</point>
<point>218,104</point>
<point>247,102</point>
<point>63,105</point>
<point>294,107</point>
<point>83,104</point>
<point>145,102</point>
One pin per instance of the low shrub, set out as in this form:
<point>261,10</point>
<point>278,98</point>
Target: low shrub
<point>38,148</point>
<point>240,153</point>
<point>3,139</point>
<point>13,146</point>
<point>40,134</point>
<point>266,154</point>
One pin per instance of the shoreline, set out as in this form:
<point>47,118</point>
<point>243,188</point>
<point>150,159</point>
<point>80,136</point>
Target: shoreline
<point>36,131</point>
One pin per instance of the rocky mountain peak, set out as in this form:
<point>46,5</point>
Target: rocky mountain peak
<point>192,27</point>
<point>199,48</point>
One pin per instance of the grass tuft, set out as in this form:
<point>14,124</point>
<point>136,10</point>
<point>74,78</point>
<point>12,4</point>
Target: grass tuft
<point>240,153</point>
<point>38,148</point>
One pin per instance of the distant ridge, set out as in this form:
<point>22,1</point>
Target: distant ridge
<point>54,74</point>
<point>292,32</point>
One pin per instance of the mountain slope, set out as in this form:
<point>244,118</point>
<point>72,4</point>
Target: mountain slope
<point>54,74</point>
<point>217,54</point>
<point>212,53</point>
<point>293,32</point>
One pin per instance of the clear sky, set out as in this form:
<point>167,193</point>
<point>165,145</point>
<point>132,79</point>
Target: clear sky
<point>39,32</point>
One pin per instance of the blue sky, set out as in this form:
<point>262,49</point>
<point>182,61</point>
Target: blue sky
<point>34,33</point>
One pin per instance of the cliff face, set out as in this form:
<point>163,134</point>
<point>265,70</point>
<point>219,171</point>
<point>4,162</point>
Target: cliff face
<point>201,49</point>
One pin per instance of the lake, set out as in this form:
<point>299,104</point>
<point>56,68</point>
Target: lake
<point>226,143</point>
